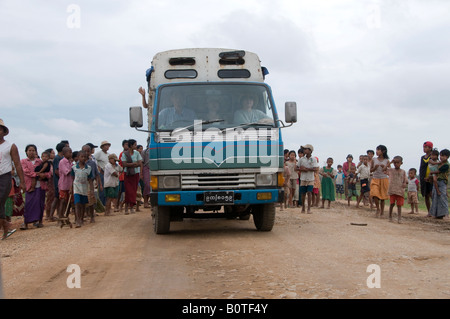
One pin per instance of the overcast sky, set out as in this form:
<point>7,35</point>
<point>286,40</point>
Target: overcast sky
<point>363,73</point>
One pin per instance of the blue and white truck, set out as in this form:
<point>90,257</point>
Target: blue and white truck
<point>215,140</point>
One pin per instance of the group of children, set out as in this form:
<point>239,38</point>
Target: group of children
<point>77,175</point>
<point>297,189</point>
<point>380,180</point>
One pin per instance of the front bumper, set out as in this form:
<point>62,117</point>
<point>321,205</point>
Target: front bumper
<point>196,198</point>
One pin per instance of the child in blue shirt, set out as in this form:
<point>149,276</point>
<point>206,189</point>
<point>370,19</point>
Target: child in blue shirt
<point>83,177</point>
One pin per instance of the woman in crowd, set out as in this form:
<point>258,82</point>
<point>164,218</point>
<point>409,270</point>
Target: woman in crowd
<point>34,195</point>
<point>131,160</point>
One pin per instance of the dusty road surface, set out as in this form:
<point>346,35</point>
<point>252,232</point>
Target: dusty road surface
<point>318,255</point>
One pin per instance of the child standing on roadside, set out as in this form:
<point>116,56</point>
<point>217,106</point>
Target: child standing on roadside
<point>397,184</point>
<point>364,175</point>
<point>286,176</point>
<point>112,172</point>
<point>351,184</point>
<point>328,174</point>
<point>316,187</point>
<point>82,175</point>
<point>413,190</point>
<point>339,180</point>
<point>380,180</point>
<point>307,165</point>
<point>65,182</point>
<point>345,167</point>
<point>293,176</point>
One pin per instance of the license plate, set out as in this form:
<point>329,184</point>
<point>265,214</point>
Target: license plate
<point>215,198</point>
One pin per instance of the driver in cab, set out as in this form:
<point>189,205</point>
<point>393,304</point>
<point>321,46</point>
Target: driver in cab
<point>177,112</point>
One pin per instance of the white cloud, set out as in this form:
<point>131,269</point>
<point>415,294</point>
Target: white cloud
<point>357,84</point>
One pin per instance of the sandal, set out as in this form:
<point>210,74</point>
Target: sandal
<point>23,227</point>
<point>9,233</point>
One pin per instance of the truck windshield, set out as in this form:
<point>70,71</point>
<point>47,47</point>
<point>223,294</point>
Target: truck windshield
<point>213,105</point>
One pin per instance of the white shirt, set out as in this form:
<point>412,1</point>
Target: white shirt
<point>412,185</point>
<point>364,171</point>
<point>5,158</point>
<point>102,159</point>
<point>308,163</point>
<point>110,180</point>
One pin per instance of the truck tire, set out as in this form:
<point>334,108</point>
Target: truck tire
<point>161,219</point>
<point>264,216</point>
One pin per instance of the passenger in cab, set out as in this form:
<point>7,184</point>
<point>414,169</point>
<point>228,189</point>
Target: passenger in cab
<point>249,115</point>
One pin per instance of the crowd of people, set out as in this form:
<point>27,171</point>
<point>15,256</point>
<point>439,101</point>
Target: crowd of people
<point>60,182</point>
<point>380,179</point>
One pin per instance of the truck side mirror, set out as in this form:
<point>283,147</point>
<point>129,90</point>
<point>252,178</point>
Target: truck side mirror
<point>136,119</point>
<point>290,112</point>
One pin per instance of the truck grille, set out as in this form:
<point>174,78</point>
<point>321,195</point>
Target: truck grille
<point>218,181</point>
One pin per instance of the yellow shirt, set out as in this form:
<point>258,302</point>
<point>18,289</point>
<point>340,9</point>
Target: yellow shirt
<point>427,173</point>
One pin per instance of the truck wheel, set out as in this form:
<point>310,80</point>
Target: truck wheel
<point>161,219</point>
<point>264,216</point>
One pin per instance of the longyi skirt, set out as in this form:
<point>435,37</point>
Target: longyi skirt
<point>379,188</point>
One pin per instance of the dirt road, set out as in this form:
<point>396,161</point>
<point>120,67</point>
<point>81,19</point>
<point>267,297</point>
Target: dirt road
<point>318,255</point>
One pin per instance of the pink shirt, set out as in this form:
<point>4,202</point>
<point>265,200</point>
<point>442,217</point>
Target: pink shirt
<point>28,170</point>
<point>65,178</point>
<point>346,167</point>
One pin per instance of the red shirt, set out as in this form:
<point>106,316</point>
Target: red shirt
<point>345,168</point>
<point>122,175</point>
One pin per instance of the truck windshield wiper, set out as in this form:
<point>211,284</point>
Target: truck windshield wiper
<point>195,124</point>
<point>246,125</point>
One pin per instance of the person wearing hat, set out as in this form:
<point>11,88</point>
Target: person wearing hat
<point>102,155</point>
<point>307,165</point>
<point>111,186</point>
<point>92,146</point>
<point>9,154</point>
<point>102,159</point>
<point>424,171</point>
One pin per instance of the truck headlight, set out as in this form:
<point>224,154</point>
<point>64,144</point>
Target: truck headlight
<point>169,182</point>
<point>264,179</point>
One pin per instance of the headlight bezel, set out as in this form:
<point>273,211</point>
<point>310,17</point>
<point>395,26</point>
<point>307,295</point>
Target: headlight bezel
<point>169,182</point>
<point>265,180</point>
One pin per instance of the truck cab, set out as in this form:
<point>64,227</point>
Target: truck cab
<point>215,142</point>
